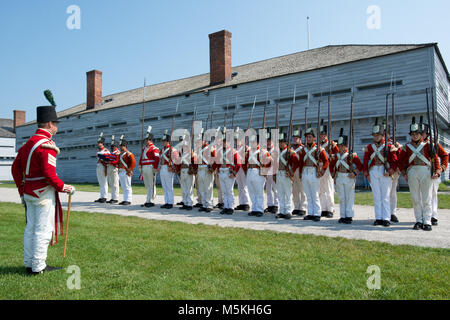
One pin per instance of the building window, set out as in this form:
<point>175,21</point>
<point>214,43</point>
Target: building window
<point>333,93</point>
<point>380,85</point>
<point>119,124</point>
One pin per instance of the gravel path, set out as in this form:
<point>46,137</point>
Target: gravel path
<point>362,228</point>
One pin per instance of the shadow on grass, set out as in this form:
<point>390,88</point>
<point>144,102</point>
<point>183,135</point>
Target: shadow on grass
<point>13,270</point>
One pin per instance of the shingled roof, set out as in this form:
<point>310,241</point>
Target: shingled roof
<point>309,60</point>
<point>6,128</point>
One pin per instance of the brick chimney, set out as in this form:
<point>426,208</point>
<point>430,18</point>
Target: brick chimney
<point>19,118</point>
<point>220,57</point>
<point>93,89</point>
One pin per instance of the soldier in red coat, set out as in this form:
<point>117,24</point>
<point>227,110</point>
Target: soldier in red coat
<point>287,166</point>
<point>227,168</point>
<point>415,164</point>
<point>379,166</point>
<point>344,168</point>
<point>34,172</point>
<point>443,157</point>
<point>148,167</point>
<point>313,162</point>
<point>326,194</point>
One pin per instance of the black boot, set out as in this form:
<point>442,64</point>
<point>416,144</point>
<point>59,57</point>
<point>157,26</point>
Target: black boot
<point>274,210</point>
<point>434,221</point>
<point>47,269</point>
<point>378,223</point>
<point>394,218</point>
<point>427,227</point>
<point>418,226</point>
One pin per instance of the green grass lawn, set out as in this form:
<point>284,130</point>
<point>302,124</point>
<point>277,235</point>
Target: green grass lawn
<point>132,258</point>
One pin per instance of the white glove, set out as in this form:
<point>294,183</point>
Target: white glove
<point>69,189</point>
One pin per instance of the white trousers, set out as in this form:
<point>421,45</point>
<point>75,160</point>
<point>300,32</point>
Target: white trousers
<point>167,183</point>
<point>381,189</point>
<point>434,197</point>
<point>420,185</point>
<point>219,188</point>
<point>255,184</point>
<point>393,196</point>
<point>102,180</point>
<point>284,191</point>
<point>113,181</point>
<point>298,192</point>
<point>125,183</point>
<point>149,182</point>
<point>199,195</point>
<point>187,186</point>
<point>205,185</point>
<point>241,180</point>
<point>311,184</point>
<point>326,194</point>
<point>227,185</point>
<point>345,188</point>
<point>39,228</point>
<point>271,191</point>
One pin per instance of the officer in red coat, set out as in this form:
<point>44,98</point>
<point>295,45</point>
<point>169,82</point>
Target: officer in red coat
<point>34,172</point>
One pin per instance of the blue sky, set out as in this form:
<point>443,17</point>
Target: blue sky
<point>168,40</point>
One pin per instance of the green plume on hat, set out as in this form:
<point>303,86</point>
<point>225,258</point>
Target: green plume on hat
<point>49,96</point>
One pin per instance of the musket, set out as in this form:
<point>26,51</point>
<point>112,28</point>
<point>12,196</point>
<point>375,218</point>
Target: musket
<point>318,131</point>
<point>350,138</point>
<point>432,141</point>
<point>173,118</point>
<point>385,151</point>
<point>251,114</point>
<point>435,124</point>
<point>265,107</point>
<point>277,107</point>
<point>212,112</point>
<point>291,118</point>
<point>225,116</point>
<point>394,121</point>
<point>192,128</point>
<point>306,115</point>
<point>329,123</point>
<point>234,113</point>
<point>143,111</point>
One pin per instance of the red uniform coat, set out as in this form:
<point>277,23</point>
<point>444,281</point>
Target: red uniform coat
<point>391,158</point>
<point>352,161</point>
<point>42,166</point>
<point>234,167</point>
<point>443,156</point>
<point>291,159</point>
<point>334,148</point>
<point>303,161</point>
<point>258,158</point>
<point>406,153</point>
<point>149,156</point>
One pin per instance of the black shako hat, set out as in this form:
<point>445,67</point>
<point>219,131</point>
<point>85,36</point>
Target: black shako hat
<point>46,114</point>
